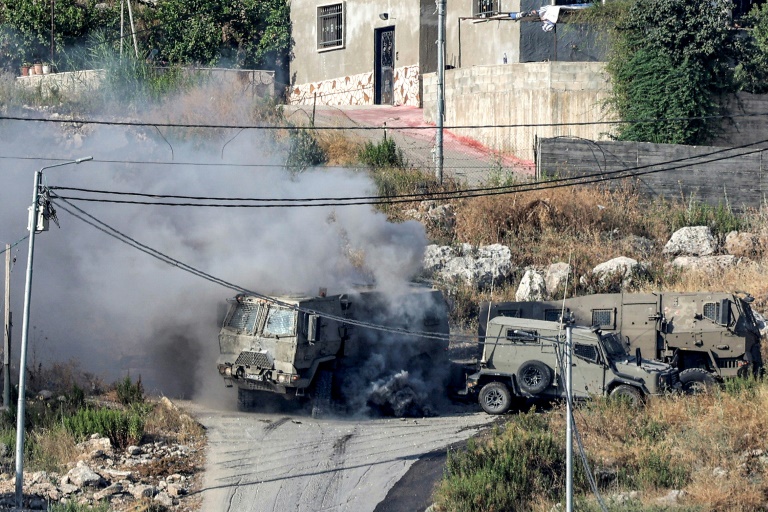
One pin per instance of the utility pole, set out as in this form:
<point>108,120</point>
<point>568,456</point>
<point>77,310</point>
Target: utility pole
<point>122,23</point>
<point>440,89</point>
<point>133,30</point>
<point>569,417</point>
<point>35,212</point>
<point>7,332</point>
<point>53,4</point>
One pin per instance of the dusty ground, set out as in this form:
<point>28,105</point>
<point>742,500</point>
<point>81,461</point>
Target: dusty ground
<point>285,460</point>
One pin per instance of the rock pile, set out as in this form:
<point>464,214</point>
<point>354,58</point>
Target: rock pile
<point>688,249</point>
<point>159,474</point>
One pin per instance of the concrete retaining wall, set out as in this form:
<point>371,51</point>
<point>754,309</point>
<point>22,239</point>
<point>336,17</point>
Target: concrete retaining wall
<point>526,96</point>
<point>710,174</point>
<point>257,83</point>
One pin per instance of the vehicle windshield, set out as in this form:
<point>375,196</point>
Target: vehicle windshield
<point>280,322</point>
<point>245,317</point>
<point>613,345</point>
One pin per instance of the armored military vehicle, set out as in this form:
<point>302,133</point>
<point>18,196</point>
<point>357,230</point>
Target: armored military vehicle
<point>707,336</point>
<point>524,358</point>
<point>311,346</point>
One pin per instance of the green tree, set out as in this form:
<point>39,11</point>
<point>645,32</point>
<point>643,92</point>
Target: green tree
<point>671,59</point>
<point>236,33</point>
<point>752,69</point>
<point>25,27</point>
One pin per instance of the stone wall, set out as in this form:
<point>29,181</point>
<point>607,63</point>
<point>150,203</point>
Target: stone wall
<point>358,89</point>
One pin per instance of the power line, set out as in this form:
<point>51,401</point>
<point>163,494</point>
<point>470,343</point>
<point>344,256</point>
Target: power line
<point>458,194</point>
<point>424,127</point>
<point>109,230</point>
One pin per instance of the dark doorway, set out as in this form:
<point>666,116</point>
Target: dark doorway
<point>384,66</point>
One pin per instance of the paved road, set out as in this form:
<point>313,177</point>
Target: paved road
<point>464,159</point>
<point>284,460</point>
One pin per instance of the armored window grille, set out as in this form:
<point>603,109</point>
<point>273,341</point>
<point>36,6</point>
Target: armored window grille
<point>712,311</point>
<point>485,7</point>
<point>588,352</point>
<point>552,315</point>
<point>279,322</point>
<point>330,26</point>
<point>602,318</point>
<point>244,317</point>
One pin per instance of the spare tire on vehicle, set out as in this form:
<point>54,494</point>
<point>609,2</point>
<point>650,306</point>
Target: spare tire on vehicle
<point>534,377</point>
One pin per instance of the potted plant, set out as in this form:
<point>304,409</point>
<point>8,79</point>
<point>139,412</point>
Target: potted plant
<point>38,68</point>
<point>25,69</point>
<point>46,68</point>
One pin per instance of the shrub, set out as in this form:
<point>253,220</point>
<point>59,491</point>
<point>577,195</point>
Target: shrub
<point>382,154</point>
<point>122,427</point>
<point>304,151</point>
<point>129,393</point>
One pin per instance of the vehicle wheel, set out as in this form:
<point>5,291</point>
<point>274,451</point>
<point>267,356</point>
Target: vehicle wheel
<point>246,399</point>
<point>495,398</point>
<point>696,381</point>
<point>534,377</point>
<point>632,395</point>
<point>321,398</point>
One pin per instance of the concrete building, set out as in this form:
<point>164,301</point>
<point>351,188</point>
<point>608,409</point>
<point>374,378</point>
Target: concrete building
<point>362,52</point>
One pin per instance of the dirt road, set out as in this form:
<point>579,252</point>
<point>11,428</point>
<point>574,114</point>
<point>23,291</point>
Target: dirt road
<point>278,461</point>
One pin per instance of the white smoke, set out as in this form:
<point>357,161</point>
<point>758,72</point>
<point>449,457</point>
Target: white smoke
<point>115,309</point>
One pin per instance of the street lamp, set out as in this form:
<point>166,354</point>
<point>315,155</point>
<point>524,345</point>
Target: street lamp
<point>34,212</point>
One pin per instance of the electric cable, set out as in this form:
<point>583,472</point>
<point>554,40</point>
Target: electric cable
<point>109,230</point>
<point>432,195</point>
<point>460,194</point>
<point>14,244</point>
<point>397,127</point>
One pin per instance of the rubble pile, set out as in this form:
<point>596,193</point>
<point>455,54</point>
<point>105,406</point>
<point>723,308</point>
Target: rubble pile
<point>161,474</point>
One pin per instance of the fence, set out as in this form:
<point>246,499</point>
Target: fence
<point>715,175</point>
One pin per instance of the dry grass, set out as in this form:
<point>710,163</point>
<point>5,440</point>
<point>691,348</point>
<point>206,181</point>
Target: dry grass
<point>713,447</point>
<point>341,150</point>
<point>166,419</point>
<point>52,449</point>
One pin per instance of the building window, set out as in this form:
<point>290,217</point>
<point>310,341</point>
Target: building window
<point>484,7</point>
<point>330,26</point>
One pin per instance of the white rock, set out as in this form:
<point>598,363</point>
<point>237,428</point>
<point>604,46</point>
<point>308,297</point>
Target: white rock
<point>691,241</point>
<point>83,476</point>
<point>556,276</point>
<point>532,287</point>
<point>625,267</point>
<point>710,264</point>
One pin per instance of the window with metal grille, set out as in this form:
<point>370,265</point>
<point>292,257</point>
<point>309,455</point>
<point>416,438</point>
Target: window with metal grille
<point>712,311</point>
<point>244,317</point>
<point>330,26</point>
<point>588,352</point>
<point>280,322</point>
<point>552,315</point>
<point>602,318</point>
<point>481,7</point>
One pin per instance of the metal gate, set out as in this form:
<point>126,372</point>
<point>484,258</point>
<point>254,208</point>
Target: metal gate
<point>384,66</point>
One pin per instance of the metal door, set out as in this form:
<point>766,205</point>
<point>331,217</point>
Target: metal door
<point>384,66</point>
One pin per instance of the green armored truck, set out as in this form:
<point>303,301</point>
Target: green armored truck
<point>707,335</point>
<point>524,358</point>
<point>326,347</point>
